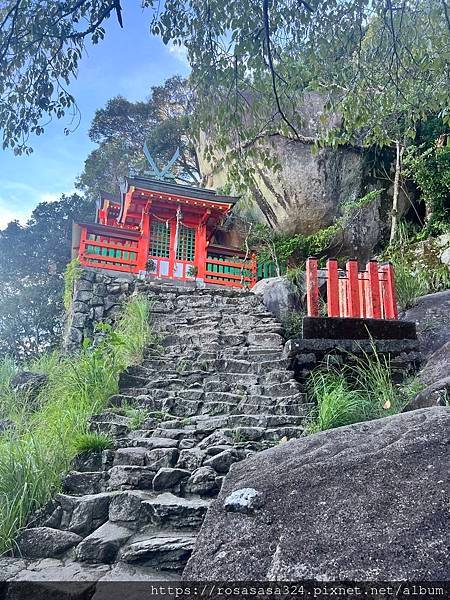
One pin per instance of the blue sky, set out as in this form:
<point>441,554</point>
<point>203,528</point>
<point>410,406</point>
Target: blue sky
<point>128,62</point>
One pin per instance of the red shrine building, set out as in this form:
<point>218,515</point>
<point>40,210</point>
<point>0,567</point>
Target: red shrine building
<point>158,228</point>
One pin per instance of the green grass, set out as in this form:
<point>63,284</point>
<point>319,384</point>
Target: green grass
<point>362,390</point>
<point>71,276</point>
<point>409,284</point>
<point>293,324</point>
<point>91,442</point>
<point>39,450</point>
<point>138,416</point>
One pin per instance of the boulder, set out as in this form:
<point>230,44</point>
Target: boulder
<point>222,462</point>
<point>45,542</point>
<point>435,377</point>
<point>280,296</point>
<point>437,366</point>
<point>83,483</point>
<point>431,314</point>
<point>89,512</point>
<point>203,481</point>
<point>436,394</point>
<point>362,502</point>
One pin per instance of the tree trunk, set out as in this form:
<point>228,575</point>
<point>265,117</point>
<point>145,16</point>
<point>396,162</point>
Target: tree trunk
<point>399,149</point>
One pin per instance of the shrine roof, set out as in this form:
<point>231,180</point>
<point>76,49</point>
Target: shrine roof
<point>175,189</point>
<point>108,196</point>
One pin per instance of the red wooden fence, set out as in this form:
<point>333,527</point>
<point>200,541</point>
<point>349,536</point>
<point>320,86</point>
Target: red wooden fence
<point>353,293</point>
<point>106,248</point>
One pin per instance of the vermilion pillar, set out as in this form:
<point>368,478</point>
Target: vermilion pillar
<point>353,304</point>
<point>144,240</point>
<point>332,288</point>
<point>200,250</point>
<point>390,298</point>
<point>362,294</point>
<point>374,289</point>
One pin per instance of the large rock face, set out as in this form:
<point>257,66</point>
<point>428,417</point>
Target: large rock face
<point>363,502</point>
<point>431,314</point>
<point>308,191</point>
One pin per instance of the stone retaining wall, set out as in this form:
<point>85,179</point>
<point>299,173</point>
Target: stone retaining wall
<point>96,297</point>
<point>403,356</point>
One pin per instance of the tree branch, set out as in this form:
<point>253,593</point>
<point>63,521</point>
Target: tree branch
<point>272,69</point>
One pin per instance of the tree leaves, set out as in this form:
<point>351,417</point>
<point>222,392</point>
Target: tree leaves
<point>122,127</point>
<point>41,44</point>
<point>32,260</point>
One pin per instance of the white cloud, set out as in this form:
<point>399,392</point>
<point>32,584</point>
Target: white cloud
<point>179,52</point>
<point>7,215</point>
<point>50,197</point>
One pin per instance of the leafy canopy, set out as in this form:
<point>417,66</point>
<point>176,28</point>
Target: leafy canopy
<point>381,63</point>
<point>122,127</point>
<point>32,261</point>
<point>41,44</point>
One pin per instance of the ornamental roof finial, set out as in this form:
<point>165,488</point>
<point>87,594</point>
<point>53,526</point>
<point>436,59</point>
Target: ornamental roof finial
<point>161,174</point>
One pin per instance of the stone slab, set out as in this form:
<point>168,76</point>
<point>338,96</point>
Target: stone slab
<point>338,328</point>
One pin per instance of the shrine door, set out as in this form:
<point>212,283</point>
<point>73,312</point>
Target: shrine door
<point>170,255</point>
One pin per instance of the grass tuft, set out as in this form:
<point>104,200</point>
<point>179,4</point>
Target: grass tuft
<point>409,284</point>
<point>91,442</point>
<point>362,390</point>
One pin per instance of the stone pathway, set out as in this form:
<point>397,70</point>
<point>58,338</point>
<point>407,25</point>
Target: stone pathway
<point>218,392</point>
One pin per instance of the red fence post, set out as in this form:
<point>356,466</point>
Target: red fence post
<point>312,288</point>
<point>332,288</point>
<point>374,289</point>
<point>353,305</point>
<point>390,298</point>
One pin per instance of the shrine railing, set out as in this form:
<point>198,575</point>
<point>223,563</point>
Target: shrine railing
<point>351,292</point>
<point>231,271</point>
<point>106,248</point>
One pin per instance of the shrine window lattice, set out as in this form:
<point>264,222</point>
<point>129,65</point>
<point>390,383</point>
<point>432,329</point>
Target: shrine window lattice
<point>159,239</point>
<point>186,244</point>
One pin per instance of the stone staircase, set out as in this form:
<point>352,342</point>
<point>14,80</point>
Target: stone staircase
<point>218,391</point>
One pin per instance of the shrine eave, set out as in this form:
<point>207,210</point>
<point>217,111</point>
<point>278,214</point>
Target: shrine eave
<point>111,229</point>
<point>108,196</point>
<point>176,189</point>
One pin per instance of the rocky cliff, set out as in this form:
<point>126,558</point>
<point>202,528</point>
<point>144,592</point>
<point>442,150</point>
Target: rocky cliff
<point>308,192</point>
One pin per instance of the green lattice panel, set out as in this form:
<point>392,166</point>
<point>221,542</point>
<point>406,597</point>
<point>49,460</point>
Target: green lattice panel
<point>186,244</point>
<point>159,239</point>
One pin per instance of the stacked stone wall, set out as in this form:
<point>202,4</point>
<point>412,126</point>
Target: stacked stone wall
<point>96,297</point>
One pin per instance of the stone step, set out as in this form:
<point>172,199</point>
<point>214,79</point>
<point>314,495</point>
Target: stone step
<point>279,390</point>
<point>169,510</point>
<point>78,483</point>
<point>163,550</point>
<point>80,514</point>
<point>102,546</point>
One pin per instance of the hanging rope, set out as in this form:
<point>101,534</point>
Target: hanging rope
<point>177,231</point>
